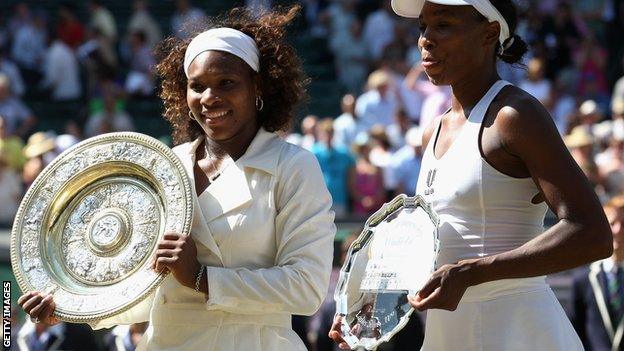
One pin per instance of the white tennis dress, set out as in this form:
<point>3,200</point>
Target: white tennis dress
<point>485,212</point>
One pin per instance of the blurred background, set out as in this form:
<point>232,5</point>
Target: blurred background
<point>70,70</point>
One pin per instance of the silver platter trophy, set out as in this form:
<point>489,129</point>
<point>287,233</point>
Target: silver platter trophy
<point>391,259</point>
<point>87,228</point>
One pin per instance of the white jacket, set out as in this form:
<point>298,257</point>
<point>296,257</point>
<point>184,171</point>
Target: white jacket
<point>265,231</point>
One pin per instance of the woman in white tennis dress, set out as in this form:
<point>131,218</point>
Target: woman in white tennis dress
<point>493,164</point>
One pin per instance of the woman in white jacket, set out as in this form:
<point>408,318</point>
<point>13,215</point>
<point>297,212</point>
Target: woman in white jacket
<point>260,247</point>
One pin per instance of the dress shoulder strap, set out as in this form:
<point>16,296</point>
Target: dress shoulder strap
<point>478,112</point>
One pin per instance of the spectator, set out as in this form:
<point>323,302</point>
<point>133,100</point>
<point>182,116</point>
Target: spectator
<point>366,181</point>
<point>593,14</point>
<point>411,92</point>
<point>591,61</point>
<point>61,72</point>
<point>103,21</point>
<point>350,57</point>
<point>437,101</point>
<point>28,49</point>
<point>598,291</point>
<point>536,84</point>
<point>12,72</point>
<point>11,146</point>
<point>379,29</point>
<point>124,337</point>
<point>62,336</point>
<point>396,131</point>
<point>581,145</point>
<point>564,101</point>
<point>143,21</point>
<point>381,156</point>
<point>110,119</point>
<point>11,185</point>
<point>406,162</point>
<point>69,29</point>
<point>39,151</point>
<point>336,163</point>
<point>560,33</point>
<point>308,131</point>
<point>98,58</point>
<point>341,15</point>
<point>379,103</point>
<point>611,165</point>
<point>314,15</point>
<point>140,80</point>
<point>346,125</point>
<point>21,18</point>
<point>18,118</point>
<point>589,115</point>
<point>185,18</point>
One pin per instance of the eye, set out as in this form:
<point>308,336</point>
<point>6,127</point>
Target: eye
<point>198,88</point>
<point>226,82</point>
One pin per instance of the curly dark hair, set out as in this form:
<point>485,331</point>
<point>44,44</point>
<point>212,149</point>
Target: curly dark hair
<point>281,77</point>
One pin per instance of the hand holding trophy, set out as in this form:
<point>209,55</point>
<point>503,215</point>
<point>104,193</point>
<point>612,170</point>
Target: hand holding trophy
<point>386,266</point>
<point>90,223</point>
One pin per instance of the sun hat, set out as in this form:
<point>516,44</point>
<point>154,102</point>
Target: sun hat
<point>39,143</point>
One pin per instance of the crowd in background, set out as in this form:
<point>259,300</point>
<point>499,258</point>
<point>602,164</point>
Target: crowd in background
<point>370,152</point>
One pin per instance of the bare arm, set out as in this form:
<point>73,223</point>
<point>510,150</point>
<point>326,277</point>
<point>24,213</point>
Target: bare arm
<point>582,234</point>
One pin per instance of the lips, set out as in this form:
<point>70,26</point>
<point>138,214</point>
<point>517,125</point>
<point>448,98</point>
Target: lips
<point>215,114</point>
<point>429,61</point>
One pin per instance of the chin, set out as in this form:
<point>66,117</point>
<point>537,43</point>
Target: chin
<point>437,79</point>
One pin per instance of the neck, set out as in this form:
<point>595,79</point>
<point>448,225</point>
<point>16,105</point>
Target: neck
<point>234,147</point>
<point>618,255</point>
<point>468,91</point>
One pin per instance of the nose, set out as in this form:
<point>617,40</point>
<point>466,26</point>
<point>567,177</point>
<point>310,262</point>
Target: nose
<point>209,97</point>
<point>425,40</point>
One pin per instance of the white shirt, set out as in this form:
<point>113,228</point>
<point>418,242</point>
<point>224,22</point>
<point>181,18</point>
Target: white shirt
<point>345,130</point>
<point>61,72</point>
<point>16,83</point>
<point>378,31</point>
<point>29,46</point>
<point>372,109</point>
<point>540,90</point>
<point>103,20</point>
<point>144,22</point>
<point>265,231</point>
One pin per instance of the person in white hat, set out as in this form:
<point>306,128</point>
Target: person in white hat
<point>492,166</point>
<point>260,246</point>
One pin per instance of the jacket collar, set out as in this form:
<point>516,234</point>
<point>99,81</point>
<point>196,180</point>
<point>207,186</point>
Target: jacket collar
<point>259,155</point>
<point>231,189</point>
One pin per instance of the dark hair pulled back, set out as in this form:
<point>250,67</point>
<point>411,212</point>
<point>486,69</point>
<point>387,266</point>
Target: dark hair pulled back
<point>515,47</point>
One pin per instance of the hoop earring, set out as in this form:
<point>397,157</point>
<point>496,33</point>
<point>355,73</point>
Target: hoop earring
<point>191,116</point>
<point>259,103</point>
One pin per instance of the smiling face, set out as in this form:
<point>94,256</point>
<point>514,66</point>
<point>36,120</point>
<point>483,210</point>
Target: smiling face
<point>455,42</point>
<point>221,93</point>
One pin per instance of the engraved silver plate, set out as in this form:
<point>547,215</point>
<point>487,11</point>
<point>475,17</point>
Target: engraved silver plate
<point>390,261</point>
<point>88,226</point>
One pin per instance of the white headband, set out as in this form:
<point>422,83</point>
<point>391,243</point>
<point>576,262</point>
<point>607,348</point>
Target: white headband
<point>224,39</point>
<point>412,8</point>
